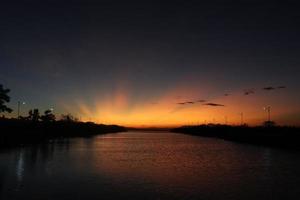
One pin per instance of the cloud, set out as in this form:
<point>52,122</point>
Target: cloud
<point>226,94</point>
<point>249,91</point>
<point>269,88</point>
<point>190,102</point>
<point>281,87</point>
<point>213,104</point>
<point>186,102</point>
<point>274,88</point>
<point>201,101</point>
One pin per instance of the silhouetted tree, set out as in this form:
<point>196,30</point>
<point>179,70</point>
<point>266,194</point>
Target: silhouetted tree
<point>48,116</point>
<point>24,118</point>
<point>4,98</point>
<point>269,124</point>
<point>68,118</point>
<point>34,115</point>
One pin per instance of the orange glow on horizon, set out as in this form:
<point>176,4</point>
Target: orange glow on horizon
<point>163,111</point>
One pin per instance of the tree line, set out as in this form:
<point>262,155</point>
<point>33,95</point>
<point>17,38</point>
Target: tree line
<point>33,114</point>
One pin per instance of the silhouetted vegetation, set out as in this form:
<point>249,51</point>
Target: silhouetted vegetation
<point>33,130</point>
<point>4,98</point>
<point>36,128</point>
<point>68,118</point>
<point>269,124</point>
<point>269,134</point>
<point>34,115</point>
<point>48,116</point>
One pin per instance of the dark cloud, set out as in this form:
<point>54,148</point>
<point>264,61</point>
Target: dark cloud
<point>186,102</point>
<point>274,88</point>
<point>226,94</point>
<point>281,87</point>
<point>213,104</point>
<point>190,102</point>
<point>249,91</point>
<point>269,88</point>
<point>201,101</point>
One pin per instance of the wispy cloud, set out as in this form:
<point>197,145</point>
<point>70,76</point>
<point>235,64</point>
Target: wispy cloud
<point>269,88</point>
<point>186,102</point>
<point>190,102</point>
<point>213,104</point>
<point>281,87</point>
<point>249,91</point>
<point>201,101</point>
<point>274,88</point>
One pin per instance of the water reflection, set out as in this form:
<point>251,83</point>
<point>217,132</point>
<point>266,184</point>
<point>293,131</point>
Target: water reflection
<point>149,166</point>
<point>20,169</point>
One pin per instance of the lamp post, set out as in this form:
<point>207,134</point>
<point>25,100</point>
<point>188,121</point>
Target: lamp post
<point>19,107</point>
<point>226,120</point>
<point>268,109</point>
<point>242,118</point>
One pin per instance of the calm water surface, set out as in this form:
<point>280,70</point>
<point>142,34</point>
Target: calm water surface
<point>148,165</point>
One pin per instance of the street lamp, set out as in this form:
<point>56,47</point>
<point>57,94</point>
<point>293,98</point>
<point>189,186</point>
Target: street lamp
<point>19,107</point>
<point>226,120</point>
<point>268,109</point>
<point>242,118</point>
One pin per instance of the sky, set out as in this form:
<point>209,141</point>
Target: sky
<point>136,63</point>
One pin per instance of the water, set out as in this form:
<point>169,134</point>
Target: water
<point>148,165</point>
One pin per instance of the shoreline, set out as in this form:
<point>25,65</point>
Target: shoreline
<point>277,136</point>
<point>16,132</point>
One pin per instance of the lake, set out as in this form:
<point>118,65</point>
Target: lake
<point>148,165</point>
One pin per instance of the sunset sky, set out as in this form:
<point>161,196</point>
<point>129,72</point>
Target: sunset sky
<point>133,63</point>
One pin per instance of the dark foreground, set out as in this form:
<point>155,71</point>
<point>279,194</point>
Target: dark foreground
<point>148,166</point>
<point>282,137</point>
<point>18,132</point>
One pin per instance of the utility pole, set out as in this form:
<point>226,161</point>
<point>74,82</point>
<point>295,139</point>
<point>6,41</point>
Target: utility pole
<point>19,107</point>
<point>268,109</point>
<point>242,118</point>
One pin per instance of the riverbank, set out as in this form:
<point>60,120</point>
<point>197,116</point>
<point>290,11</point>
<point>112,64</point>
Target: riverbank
<point>148,165</point>
<point>19,132</point>
<point>281,137</point>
